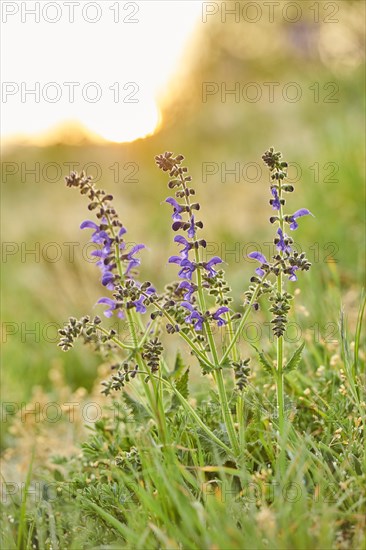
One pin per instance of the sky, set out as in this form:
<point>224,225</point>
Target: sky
<point>98,64</point>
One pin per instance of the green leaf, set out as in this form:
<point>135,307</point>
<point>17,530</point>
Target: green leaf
<point>295,359</point>
<point>264,361</point>
<point>178,366</point>
<point>182,384</point>
<point>138,411</point>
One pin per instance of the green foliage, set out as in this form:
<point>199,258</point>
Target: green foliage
<point>266,364</point>
<point>293,363</point>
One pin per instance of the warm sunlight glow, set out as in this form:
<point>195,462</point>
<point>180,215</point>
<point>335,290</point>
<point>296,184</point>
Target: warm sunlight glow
<point>97,64</point>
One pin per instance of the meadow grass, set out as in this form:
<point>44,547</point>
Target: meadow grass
<point>128,490</point>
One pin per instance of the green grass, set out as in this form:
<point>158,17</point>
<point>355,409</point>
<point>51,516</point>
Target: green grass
<point>129,490</point>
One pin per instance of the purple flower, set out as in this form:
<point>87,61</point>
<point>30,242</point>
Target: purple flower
<point>281,245</point>
<point>208,266</point>
<point>189,288</point>
<point>187,266</point>
<point>112,306</point>
<point>132,261</point>
<point>139,305</point>
<point>191,229</point>
<point>177,208</point>
<point>175,260</point>
<point>186,246</point>
<point>260,258</point>
<point>107,280</point>
<point>276,205</point>
<point>218,313</point>
<point>187,269</point>
<point>292,276</point>
<point>298,214</point>
<point>194,317</point>
<point>99,236</point>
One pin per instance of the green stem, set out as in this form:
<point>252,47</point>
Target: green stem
<point>280,391</point>
<point>219,379</point>
<point>217,374</point>
<point>198,420</point>
<point>115,340</point>
<point>280,350</point>
<point>242,322</point>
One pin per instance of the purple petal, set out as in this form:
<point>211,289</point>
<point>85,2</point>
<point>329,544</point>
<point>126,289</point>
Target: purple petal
<point>172,202</point>
<point>107,278</point>
<point>175,260</point>
<point>135,249</point>
<point>221,310</point>
<point>301,212</point>
<point>259,272</point>
<point>187,305</point>
<point>91,225</point>
<point>215,260</point>
<point>180,239</point>
<point>258,256</point>
<point>199,325</point>
<point>107,301</point>
<point>191,230</point>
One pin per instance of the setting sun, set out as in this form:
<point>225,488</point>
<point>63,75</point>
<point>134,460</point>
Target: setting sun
<point>108,85</point>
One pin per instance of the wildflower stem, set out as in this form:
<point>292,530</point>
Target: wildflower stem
<point>242,322</point>
<point>217,374</point>
<point>280,349</point>
<point>117,341</point>
<point>240,400</point>
<point>194,415</point>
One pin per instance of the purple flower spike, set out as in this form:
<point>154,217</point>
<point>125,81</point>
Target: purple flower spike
<point>217,316</point>
<point>298,214</point>
<point>276,205</point>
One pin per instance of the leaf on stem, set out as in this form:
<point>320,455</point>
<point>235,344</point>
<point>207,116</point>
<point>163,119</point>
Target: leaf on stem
<point>295,359</point>
<point>264,361</point>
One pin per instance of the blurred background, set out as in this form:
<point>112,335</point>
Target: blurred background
<point>219,82</point>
